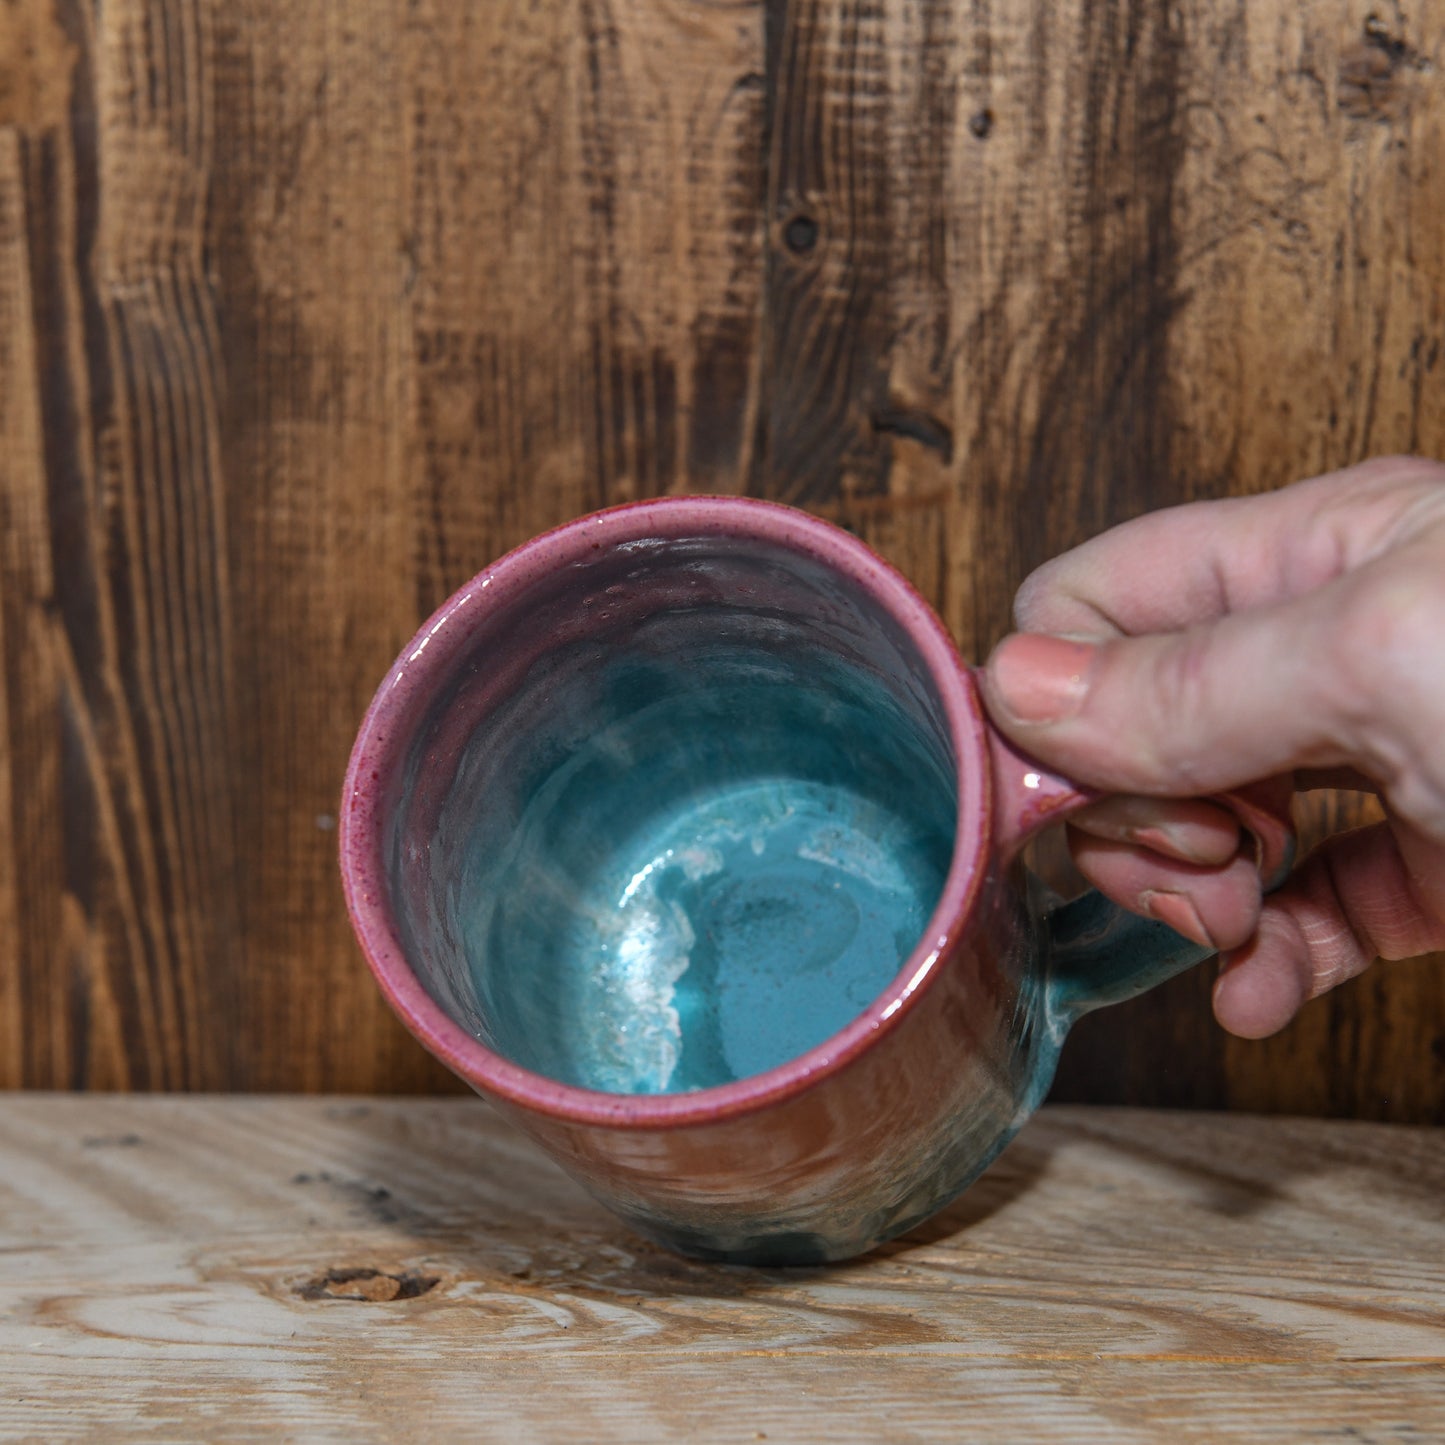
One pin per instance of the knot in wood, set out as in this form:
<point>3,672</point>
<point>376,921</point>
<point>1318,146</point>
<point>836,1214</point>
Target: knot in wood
<point>800,235</point>
<point>372,1286</point>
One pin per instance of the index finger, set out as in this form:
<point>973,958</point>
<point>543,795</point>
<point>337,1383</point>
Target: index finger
<point>1170,569</point>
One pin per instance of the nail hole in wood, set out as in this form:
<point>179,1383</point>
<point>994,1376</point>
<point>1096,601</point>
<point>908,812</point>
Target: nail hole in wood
<point>981,124</point>
<point>801,234</point>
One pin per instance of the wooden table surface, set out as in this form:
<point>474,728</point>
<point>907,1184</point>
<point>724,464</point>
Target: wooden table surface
<point>216,1268</point>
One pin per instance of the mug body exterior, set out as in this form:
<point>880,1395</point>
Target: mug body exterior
<point>884,1136</point>
<point>561,836</point>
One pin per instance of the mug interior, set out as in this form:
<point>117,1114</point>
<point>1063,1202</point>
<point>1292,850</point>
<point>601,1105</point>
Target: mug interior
<point>678,812</point>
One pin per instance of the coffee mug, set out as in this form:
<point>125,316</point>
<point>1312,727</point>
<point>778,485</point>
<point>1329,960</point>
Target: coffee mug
<point>681,835</point>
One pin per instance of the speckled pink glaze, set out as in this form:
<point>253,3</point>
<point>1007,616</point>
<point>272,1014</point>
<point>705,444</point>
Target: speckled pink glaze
<point>853,1140</point>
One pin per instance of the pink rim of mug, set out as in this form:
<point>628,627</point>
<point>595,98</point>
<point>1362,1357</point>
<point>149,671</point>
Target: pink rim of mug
<point>444,636</point>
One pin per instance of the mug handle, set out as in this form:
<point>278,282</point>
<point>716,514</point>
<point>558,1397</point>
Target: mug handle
<point>1100,953</point>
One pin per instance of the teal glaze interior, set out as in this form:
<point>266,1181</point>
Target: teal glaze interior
<point>700,804</point>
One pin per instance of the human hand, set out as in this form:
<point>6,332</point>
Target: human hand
<point>1300,633</point>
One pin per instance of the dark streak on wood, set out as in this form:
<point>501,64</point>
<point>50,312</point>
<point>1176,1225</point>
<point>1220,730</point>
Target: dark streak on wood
<point>1107,379</point>
<point>51,185</point>
<point>727,329</point>
<point>827,311</point>
<point>917,426</point>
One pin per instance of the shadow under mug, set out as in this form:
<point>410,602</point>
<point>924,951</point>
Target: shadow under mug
<point>681,835</point>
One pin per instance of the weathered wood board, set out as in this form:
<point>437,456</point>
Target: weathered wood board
<point>192,1268</point>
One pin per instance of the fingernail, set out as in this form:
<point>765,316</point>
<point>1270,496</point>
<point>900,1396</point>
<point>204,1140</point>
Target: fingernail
<point>1041,679</point>
<point>1178,911</point>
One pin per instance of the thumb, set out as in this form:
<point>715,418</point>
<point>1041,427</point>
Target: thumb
<point>1175,714</point>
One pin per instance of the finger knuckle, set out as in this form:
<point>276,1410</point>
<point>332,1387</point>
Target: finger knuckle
<point>1035,600</point>
<point>1183,691</point>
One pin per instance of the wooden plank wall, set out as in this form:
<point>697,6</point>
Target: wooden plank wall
<point>307,311</point>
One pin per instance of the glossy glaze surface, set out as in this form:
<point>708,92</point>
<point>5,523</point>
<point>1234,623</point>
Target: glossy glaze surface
<point>694,849</point>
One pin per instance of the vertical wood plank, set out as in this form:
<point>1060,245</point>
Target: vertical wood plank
<point>30,893</point>
<point>828,314</point>
<point>586,262</point>
<point>1308,333</point>
<point>106,995</point>
<point>1066,282</point>
<point>925,518</point>
<point>161,467</point>
<point>307,238</point>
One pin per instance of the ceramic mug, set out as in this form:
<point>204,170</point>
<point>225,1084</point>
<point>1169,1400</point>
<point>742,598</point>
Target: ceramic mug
<point>681,835</point>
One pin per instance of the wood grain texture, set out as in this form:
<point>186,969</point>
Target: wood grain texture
<point>308,312</point>
<point>186,1268</point>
